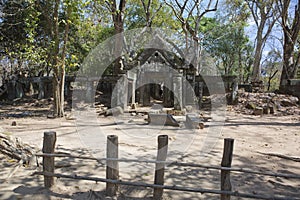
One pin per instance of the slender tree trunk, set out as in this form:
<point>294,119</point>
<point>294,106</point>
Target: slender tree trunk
<point>197,62</point>
<point>59,63</point>
<point>55,63</point>
<point>118,46</point>
<point>241,69</point>
<point>257,55</point>
<point>270,79</point>
<point>117,15</point>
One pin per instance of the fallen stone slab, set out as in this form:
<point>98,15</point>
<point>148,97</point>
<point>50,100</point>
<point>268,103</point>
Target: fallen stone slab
<point>162,119</point>
<point>194,122</point>
<point>112,111</point>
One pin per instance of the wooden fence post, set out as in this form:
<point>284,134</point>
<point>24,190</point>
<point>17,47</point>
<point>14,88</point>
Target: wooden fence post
<point>48,162</point>
<point>160,167</point>
<point>226,162</point>
<point>112,167</point>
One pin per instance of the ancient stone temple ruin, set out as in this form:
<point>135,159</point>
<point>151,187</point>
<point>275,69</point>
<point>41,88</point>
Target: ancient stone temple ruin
<point>156,76</point>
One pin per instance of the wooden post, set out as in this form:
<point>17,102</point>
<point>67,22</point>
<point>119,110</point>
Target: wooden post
<point>226,162</point>
<point>48,162</point>
<point>160,167</point>
<point>112,167</point>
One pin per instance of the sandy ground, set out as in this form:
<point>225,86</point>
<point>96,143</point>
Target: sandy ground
<point>252,134</point>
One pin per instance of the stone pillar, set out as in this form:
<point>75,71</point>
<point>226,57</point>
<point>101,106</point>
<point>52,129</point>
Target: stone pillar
<point>48,86</point>
<point>146,95</point>
<point>19,90</point>
<point>177,89</point>
<point>41,93</point>
<point>167,93</point>
<point>11,90</point>
<point>184,91</point>
<point>31,89</point>
<point>89,91</point>
<point>141,86</point>
<point>133,91</point>
<point>120,93</point>
<point>123,98</point>
<point>141,94</point>
<point>190,91</point>
<point>200,93</point>
<point>234,92</point>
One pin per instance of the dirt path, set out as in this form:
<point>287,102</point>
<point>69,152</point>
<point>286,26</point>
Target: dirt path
<point>252,134</point>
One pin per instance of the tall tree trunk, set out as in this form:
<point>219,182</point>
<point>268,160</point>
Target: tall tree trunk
<point>56,81</point>
<point>265,17</point>
<point>59,63</point>
<point>290,37</point>
<point>118,46</point>
<point>117,16</point>
<point>289,68</point>
<point>257,55</point>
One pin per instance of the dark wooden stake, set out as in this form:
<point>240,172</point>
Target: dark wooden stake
<point>48,162</point>
<point>160,167</point>
<point>226,162</point>
<point>112,167</point>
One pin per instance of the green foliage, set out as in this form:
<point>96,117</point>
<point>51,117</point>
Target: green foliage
<point>162,15</point>
<point>27,28</point>
<point>228,44</point>
<point>19,26</point>
<point>271,67</point>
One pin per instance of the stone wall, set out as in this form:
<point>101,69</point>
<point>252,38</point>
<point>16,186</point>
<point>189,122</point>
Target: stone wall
<point>293,87</point>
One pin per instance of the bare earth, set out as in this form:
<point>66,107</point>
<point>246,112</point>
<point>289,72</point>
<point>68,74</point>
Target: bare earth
<point>253,135</point>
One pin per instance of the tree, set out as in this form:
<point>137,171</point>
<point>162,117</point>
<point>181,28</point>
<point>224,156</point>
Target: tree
<point>59,60</point>
<point>189,13</point>
<point>18,26</point>
<point>149,13</point>
<point>227,42</point>
<point>291,28</point>
<point>264,17</point>
<point>117,11</point>
<point>57,17</point>
<point>270,67</point>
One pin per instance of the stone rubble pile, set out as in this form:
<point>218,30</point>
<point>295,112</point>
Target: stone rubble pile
<point>267,103</point>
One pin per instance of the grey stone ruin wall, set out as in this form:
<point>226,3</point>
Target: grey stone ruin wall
<point>293,87</point>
